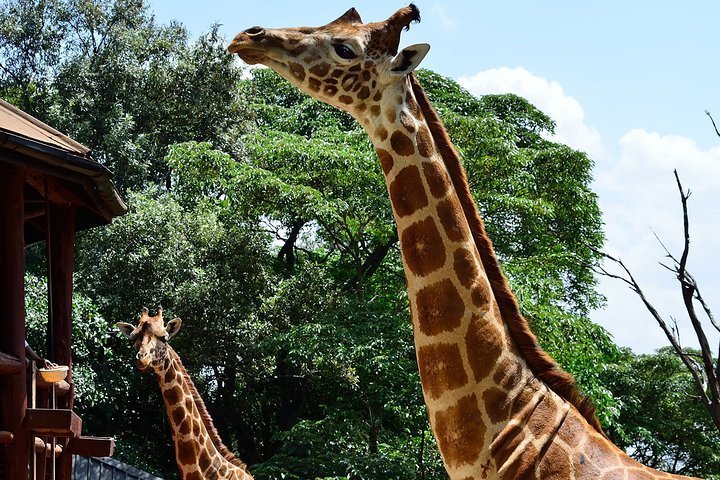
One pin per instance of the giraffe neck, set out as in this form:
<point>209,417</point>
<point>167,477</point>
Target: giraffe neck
<point>198,450</point>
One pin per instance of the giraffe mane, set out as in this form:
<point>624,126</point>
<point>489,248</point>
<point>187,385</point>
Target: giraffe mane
<point>539,362</point>
<point>205,415</point>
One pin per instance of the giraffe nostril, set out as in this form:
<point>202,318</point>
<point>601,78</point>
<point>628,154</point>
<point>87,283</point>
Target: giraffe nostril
<point>254,31</point>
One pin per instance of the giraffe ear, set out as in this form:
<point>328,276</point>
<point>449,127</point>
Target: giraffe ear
<point>408,59</point>
<point>172,327</point>
<point>125,328</point>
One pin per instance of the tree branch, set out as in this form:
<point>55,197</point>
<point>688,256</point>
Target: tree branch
<point>713,122</point>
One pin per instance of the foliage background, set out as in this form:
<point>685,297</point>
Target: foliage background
<point>260,216</point>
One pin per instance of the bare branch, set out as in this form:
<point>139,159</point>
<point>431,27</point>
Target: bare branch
<point>713,123</point>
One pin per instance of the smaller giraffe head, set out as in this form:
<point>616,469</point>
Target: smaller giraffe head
<point>150,338</point>
<point>346,63</point>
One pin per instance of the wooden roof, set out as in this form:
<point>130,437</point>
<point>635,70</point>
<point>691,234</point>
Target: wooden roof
<point>53,158</point>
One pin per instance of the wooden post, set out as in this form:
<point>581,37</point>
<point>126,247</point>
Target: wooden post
<point>13,393</point>
<point>61,255</point>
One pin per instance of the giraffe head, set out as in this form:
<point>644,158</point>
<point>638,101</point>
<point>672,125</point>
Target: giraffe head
<point>346,63</point>
<point>150,338</point>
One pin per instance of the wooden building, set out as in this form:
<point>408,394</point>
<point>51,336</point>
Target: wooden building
<point>50,188</point>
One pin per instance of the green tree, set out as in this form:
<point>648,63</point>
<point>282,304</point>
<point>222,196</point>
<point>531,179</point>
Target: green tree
<point>662,421</point>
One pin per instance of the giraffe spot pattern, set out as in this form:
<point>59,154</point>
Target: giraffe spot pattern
<point>185,426</point>
<point>484,339</point>
<point>194,475</point>
<point>382,133</point>
<point>314,84</point>
<point>508,374</point>
<point>538,423</point>
<point>321,69</point>
<point>481,294</point>
<point>378,96</point>
<point>348,82</point>
<point>441,368</point>
<point>172,395</point>
<point>523,465</point>
<point>297,70</point>
<point>555,464</point>
<point>466,266</point>
<point>203,460</point>
<point>453,220</point>
<point>460,432</point>
<point>496,404</point>
<point>336,73</point>
<point>407,121</point>
<point>401,143</point>
<point>390,114</point>
<point>386,160</point>
<point>437,178</point>
<point>361,108</point>
<point>363,93</point>
<point>177,415</point>
<point>407,193</point>
<point>424,142</point>
<point>375,110</point>
<point>330,90</point>
<point>422,247</point>
<point>413,106</point>
<point>186,451</point>
<point>439,308</point>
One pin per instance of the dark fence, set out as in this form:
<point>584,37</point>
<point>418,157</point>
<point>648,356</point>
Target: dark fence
<point>90,468</point>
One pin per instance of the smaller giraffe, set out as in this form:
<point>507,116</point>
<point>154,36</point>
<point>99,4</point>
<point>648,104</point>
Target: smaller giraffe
<point>199,452</point>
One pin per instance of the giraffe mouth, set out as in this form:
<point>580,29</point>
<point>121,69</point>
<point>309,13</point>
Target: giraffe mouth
<point>247,53</point>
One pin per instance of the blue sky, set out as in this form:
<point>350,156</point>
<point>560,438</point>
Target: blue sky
<point>627,82</point>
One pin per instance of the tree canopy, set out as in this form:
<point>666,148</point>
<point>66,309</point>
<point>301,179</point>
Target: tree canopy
<point>261,217</point>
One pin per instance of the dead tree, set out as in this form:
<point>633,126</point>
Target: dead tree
<point>704,369</point>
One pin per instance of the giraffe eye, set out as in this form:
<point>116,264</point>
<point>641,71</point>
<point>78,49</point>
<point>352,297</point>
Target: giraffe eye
<point>344,51</point>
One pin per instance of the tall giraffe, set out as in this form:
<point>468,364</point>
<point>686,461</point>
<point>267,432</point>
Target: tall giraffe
<point>199,452</point>
<point>499,407</point>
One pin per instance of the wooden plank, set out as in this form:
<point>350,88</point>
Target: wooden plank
<point>58,423</point>
<point>13,391</point>
<point>92,446</point>
<point>9,364</point>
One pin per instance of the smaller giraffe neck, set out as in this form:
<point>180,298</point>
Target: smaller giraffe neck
<point>198,449</point>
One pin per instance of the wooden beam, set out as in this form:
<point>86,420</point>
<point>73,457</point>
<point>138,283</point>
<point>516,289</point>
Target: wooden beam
<point>61,255</point>
<point>6,438</point>
<point>9,364</point>
<point>53,422</point>
<point>13,391</point>
<point>92,446</point>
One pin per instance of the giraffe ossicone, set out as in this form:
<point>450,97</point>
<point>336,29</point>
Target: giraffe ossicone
<point>199,452</point>
<point>499,407</point>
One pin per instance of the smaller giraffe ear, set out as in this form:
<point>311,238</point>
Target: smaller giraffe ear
<point>409,58</point>
<point>125,328</point>
<point>172,327</point>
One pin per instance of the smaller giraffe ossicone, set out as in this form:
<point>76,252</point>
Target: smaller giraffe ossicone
<point>199,452</point>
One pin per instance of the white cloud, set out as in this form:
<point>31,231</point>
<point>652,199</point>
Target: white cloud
<point>548,96</point>
<point>638,193</point>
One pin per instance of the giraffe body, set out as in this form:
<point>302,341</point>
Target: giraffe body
<point>485,381</point>
<point>198,450</point>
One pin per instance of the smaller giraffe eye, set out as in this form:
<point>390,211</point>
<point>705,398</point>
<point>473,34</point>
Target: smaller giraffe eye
<point>344,51</point>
